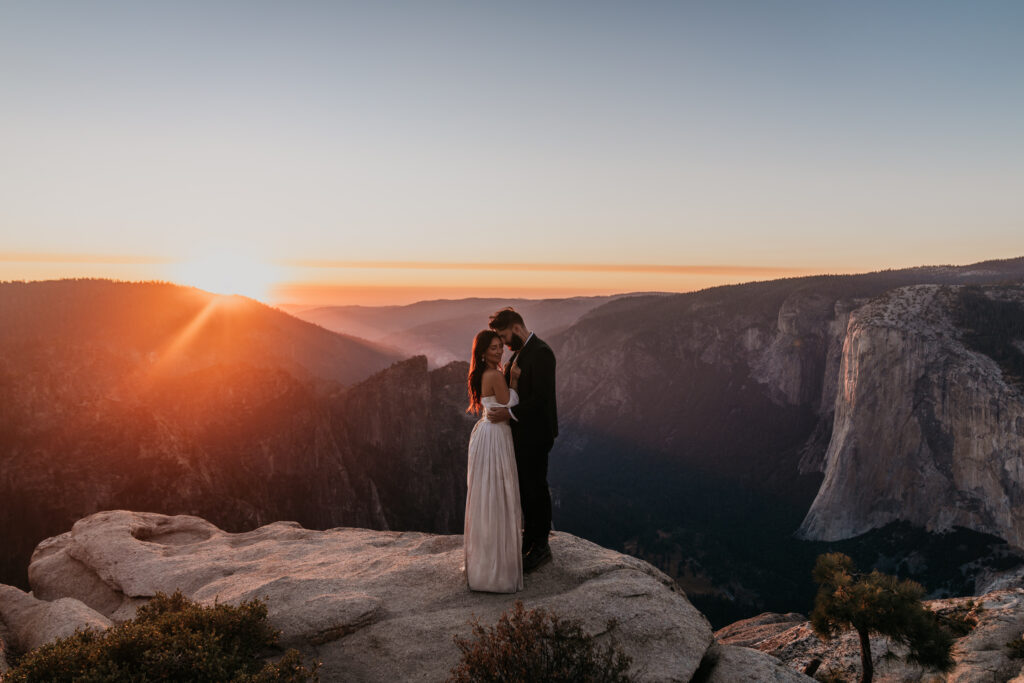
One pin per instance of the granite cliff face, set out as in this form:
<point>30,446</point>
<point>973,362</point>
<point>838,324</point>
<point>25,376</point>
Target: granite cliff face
<point>371,605</point>
<point>405,434</point>
<point>927,430</point>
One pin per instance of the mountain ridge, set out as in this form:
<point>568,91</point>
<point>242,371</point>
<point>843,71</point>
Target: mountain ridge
<point>191,327</point>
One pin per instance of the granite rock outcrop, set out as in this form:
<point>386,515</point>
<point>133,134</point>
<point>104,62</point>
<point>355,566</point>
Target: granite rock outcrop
<point>371,605</point>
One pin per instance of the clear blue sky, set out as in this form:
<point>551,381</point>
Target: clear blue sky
<point>811,135</point>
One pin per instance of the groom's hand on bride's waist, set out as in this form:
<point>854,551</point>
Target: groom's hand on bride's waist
<point>498,414</point>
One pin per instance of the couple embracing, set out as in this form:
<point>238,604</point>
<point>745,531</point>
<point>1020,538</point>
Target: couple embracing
<point>508,505</point>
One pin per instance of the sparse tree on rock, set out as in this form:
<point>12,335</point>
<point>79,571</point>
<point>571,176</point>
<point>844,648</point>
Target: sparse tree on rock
<point>877,603</point>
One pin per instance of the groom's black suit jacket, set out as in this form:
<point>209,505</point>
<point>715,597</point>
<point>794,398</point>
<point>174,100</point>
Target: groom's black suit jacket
<point>536,416</point>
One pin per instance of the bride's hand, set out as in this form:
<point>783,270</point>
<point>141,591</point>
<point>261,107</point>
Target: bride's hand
<point>513,374</point>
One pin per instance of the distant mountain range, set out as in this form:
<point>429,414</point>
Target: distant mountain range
<point>171,329</point>
<point>696,429</point>
<point>443,330</point>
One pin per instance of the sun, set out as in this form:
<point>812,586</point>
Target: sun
<point>225,271</point>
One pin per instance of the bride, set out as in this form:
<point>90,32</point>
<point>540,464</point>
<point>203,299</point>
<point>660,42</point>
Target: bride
<point>493,531</point>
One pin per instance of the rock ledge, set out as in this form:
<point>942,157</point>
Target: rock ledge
<point>372,605</point>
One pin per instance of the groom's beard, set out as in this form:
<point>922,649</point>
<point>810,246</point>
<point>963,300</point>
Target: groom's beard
<point>516,342</point>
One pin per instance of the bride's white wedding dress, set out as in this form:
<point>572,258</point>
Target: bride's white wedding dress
<point>493,531</point>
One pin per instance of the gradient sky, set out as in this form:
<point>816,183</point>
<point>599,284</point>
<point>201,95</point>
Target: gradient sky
<point>392,151</point>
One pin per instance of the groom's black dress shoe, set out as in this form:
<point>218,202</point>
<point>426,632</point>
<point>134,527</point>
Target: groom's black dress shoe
<point>538,555</point>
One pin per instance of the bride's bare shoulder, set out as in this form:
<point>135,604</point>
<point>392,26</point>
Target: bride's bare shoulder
<point>492,375</point>
<point>491,381</point>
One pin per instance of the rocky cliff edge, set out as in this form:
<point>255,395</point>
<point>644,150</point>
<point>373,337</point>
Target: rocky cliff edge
<point>372,605</point>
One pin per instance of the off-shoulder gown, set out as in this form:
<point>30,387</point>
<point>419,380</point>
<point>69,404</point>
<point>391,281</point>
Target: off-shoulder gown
<point>493,531</point>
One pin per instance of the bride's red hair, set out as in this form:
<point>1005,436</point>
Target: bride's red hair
<point>477,365</point>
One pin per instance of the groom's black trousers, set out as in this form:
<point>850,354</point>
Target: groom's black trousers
<point>534,496</point>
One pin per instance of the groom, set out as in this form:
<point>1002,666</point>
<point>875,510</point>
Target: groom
<point>534,425</point>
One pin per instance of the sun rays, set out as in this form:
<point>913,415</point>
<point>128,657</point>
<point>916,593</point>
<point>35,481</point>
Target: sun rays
<point>195,335</point>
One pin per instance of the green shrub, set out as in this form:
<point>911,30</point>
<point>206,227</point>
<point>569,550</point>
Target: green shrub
<point>171,638</point>
<point>526,646</point>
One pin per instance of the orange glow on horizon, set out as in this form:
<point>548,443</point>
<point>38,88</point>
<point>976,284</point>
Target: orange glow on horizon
<point>127,259</point>
<point>377,283</point>
<point>398,283</point>
<point>323,282</point>
<point>719,269</point>
<point>320,294</point>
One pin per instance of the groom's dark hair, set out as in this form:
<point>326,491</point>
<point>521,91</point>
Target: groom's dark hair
<point>506,318</point>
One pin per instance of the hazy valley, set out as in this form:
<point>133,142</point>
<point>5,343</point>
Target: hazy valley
<point>443,330</point>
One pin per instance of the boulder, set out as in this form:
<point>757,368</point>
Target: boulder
<point>747,632</point>
<point>733,664</point>
<point>32,623</point>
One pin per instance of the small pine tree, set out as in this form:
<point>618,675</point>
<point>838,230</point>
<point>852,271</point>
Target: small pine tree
<point>877,603</point>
